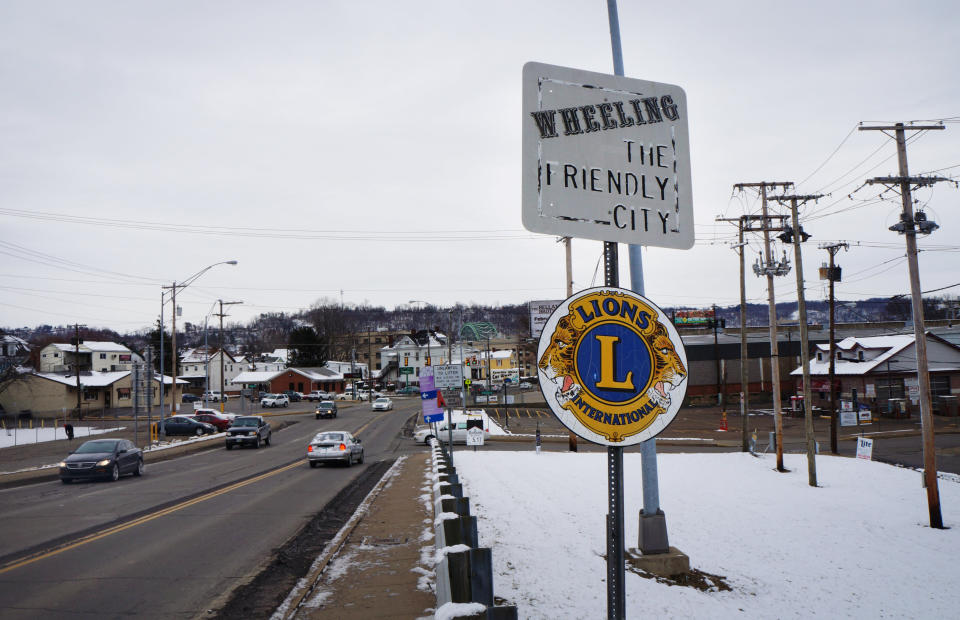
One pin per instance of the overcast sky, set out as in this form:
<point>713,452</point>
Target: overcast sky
<point>373,148</point>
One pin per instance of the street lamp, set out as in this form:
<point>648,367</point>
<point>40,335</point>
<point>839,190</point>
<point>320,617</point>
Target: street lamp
<point>429,357</point>
<point>173,298</point>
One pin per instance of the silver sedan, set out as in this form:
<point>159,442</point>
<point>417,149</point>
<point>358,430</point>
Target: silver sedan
<point>336,447</point>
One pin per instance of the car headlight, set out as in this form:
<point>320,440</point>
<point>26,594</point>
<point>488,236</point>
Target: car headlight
<point>62,464</point>
<point>103,463</point>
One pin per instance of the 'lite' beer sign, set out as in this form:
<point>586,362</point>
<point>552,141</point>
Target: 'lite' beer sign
<point>612,366</point>
<point>605,157</point>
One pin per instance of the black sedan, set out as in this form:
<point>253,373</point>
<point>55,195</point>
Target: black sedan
<point>104,459</point>
<point>185,425</point>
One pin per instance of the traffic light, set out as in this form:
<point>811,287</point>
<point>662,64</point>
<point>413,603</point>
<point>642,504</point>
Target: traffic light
<point>428,361</point>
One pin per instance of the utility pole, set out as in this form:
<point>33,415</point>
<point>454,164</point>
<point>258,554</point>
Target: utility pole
<point>220,314</point>
<point>795,235</point>
<point>833,275</point>
<point>173,344</point>
<point>716,355</point>
<point>76,367</point>
<point>908,225</point>
<point>770,270</point>
<point>743,225</point>
<point>149,370</point>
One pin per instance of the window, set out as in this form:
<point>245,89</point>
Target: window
<point>940,385</point>
<point>89,395</point>
<point>103,356</point>
<point>860,356</point>
<point>819,356</point>
<point>123,393</point>
<point>888,388</point>
<point>839,355</point>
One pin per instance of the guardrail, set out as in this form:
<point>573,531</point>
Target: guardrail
<point>464,570</point>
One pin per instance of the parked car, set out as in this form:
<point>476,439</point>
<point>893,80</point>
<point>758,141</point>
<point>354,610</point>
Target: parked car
<point>186,425</point>
<point>222,422</point>
<point>341,396</point>
<point>295,397</point>
<point>274,400</point>
<point>326,409</point>
<point>408,390</point>
<point>189,398</point>
<point>382,404</point>
<point>334,446</point>
<point>362,395</point>
<point>318,395</point>
<point>525,386</point>
<point>102,458</point>
<point>226,414</point>
<point>214,396</point>
<point>252,430</point>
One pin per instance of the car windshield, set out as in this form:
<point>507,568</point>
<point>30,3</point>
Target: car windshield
<point>329,437</point>
<point>383,400</point>
<point>100,445</point>
<point>325,405</point>
<point>246,422</point>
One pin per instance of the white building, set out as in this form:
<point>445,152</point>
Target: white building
<point>93,355</point>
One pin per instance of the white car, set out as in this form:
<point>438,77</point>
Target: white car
<point>425,433</point>
<point>274,400</point>
<point>214,396</point>
<point>382,404</point>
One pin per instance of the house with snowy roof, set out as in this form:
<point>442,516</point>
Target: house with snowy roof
<point>93,355</point>
<point>881,368</point>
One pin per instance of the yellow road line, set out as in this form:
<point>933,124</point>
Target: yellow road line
<point>89,538</point>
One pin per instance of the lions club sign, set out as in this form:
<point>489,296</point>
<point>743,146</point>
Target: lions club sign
<point>612,366</point>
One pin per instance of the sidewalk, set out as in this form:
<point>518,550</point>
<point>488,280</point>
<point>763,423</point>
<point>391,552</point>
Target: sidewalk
<point>384,568</point>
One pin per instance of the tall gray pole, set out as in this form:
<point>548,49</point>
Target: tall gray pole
<point>173,343</point>
<point>653,523</point>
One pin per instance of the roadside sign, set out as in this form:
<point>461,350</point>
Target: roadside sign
<point>612,366</point>
<point>474,436</point>
<point>540,311</point>
<point>605,157</point>
<point>428,397</point>
<point>448,376</point>
<point>848,418</point>
<point>864,448</point>
<point>406,370</point>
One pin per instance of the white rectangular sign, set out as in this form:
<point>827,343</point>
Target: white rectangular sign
<point>540,311</point>
<point>605,157</point>
<point>474,436</point>
<point>864,448</point>
<point>448,376</point>
<point>848,418</point>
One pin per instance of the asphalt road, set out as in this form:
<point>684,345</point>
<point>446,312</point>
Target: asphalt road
<point>176,541</point>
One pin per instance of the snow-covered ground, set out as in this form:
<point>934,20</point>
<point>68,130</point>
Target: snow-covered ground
<point>857,546</point>
<point>21,436</point>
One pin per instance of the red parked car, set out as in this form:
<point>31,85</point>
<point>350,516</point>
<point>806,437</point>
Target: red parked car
<point>220,421</point>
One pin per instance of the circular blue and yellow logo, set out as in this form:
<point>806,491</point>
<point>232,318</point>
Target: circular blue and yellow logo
<point>612,366</point>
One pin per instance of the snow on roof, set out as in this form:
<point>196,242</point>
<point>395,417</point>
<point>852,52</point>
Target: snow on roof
<point>104,347</point>
<point>90,346</point>
<point>93,379</point>
<point>893,344</point>
<point>256,376</point>
<point>282,354</point>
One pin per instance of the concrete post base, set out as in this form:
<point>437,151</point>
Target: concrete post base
<point>653,533</point>
<point>673,562</point>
